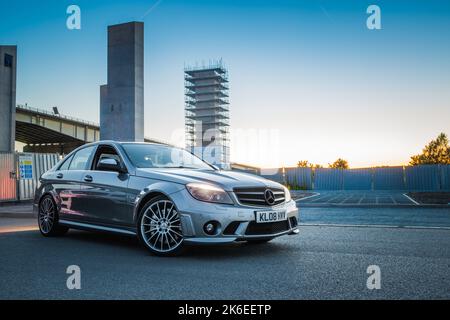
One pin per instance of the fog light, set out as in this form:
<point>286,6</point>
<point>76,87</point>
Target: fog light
<point>210,228</point>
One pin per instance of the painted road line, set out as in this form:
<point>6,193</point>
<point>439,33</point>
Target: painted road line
<point>314,195</point>
<point>369,226</point>
<point>347,225</point>
<point>411,199</point>
<point>18,229</point>
<point>424,227</point>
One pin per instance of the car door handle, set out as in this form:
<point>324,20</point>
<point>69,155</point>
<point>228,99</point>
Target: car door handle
<point>59,175</point>
<point>88,178</point>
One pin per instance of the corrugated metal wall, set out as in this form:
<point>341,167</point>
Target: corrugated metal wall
<point>422,178</point>
<point>299,178</point>
<point>445,177</point>
<point>41,164</point>
<point>328,179</point>
<point>358,179</point>
<point>8,187</point>
<point>9,162</point>
<point>414,178</point>
<point>389,178</point>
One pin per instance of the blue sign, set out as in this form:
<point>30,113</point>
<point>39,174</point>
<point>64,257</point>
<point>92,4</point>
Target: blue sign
<point>26,167</point>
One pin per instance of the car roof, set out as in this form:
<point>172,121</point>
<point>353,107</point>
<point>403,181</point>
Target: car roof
<point>122,142</point>
<point>112,142</point>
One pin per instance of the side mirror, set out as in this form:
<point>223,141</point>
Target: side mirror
<point>109,164</point>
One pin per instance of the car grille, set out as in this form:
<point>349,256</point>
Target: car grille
<point>255,196</point>
<point>266,228</point>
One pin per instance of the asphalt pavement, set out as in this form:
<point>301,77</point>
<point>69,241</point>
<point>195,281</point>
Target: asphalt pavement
<point>358,198</point>
<point>398,217</point>
<point>322,262</point>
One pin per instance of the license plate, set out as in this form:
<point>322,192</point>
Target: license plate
<point>270,216</point>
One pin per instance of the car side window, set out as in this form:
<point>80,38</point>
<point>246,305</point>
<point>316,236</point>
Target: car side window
<point>66,163</point>
<point>81,158</point>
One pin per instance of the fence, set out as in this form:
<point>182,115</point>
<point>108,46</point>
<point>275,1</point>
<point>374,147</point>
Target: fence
<point>8,190</point>
<point>20,173</point>
<point>445,177</point>
<point>412,178</point>
<point>299,177</point>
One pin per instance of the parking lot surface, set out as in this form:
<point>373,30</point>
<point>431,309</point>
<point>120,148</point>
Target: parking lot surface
<point>359,198</point>
<point>400,217</point>
<point>327,260</point>
<point>319,263</point>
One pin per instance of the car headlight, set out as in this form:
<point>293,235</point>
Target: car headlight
<point>208,193</point>
<point>287,194</point>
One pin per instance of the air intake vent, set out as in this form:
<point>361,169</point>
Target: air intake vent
<point>255,229</point>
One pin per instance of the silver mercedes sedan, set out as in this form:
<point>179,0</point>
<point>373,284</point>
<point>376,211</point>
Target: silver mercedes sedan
<point>164,195</point>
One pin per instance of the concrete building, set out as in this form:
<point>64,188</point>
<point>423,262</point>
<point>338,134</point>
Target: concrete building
<point>207,114</point>
<point>8,70</point>
<point>122,98</point>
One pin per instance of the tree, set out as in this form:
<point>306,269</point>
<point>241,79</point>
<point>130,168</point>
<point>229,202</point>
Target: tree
<point>303,164</point>
<point>339,164</point>
<point>307,164</point>
<point>435,152</point>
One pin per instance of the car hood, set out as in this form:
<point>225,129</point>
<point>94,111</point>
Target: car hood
<point>225,179</point>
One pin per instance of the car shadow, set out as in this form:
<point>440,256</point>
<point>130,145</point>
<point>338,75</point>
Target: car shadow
<point>104,239</point>
<point>234,250</point>
<point>221,251</point>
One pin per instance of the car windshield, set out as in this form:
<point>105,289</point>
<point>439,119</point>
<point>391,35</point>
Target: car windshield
<point>161,156</point>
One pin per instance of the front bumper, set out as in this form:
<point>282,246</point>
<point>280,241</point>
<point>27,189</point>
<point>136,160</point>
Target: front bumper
<point>235,222</point>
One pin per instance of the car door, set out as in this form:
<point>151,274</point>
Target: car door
<point>105,193</point>
<point>67,182</point>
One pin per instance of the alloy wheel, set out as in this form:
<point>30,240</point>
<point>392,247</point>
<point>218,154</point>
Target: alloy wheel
<point>161,226</point>
<point>46,215</point>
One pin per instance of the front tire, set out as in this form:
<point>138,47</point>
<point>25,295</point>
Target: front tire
<point>159,227</point>
<point>48,218</point>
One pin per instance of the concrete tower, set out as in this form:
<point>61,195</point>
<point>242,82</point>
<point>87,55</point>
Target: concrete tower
<point>122,98</point>
<point>8,68</point>
<point>207,114</point>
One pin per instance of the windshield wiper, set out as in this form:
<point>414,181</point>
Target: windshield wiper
<point>178,167</point>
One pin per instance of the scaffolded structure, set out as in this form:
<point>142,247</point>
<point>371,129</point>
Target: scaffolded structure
<point>207,113</point>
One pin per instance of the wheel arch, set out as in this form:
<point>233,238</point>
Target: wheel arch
<point>50,193</point>
<point>152,190</point>
<point>146,198</point>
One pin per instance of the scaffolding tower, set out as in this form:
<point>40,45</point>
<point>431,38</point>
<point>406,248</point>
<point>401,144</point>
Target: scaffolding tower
<point>207,113</point>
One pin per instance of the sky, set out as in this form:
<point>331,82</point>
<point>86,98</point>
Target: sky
<point>308,79</point>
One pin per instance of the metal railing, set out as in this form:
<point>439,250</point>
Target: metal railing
<point>52,114</point>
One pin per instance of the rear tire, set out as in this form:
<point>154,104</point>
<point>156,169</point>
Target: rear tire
<point>48,218</point>
<point>159,227</point>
